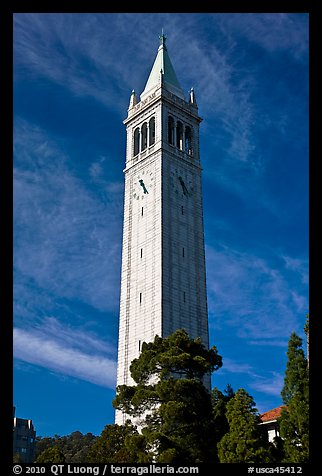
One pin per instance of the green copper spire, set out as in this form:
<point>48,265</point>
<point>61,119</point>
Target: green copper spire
<point>168,76</point>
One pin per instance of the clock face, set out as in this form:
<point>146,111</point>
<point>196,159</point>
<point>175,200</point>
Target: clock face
<point>181,183</point>
<point>142,184</point>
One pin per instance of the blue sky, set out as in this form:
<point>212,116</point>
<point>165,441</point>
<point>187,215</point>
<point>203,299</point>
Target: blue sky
<point>73,76</point>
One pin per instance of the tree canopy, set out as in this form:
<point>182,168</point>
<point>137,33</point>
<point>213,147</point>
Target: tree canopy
<point>74,447</point>
<point>294,420</point>
<point>51,455</point>
<point>173,406</point>
<point>219,404</point>
<point>174,418</point>
<point>119,444</point>
<point>245,442</point>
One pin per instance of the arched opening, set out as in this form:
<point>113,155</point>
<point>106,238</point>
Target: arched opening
<point>188,140</point>
<point>144,136</point>
<point>179,135</point>
<point>136,141</point>
<point>151,131</point>
<point>171,130</point>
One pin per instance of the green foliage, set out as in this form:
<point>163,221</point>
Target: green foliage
<point>74,447</point>
<point>182,427</point>
<point>170,399</point>
<point>17,458</point>
<point>296,374</point>
<point>42,444</point>
<point>245,442</point>
<point>51,455</point>
<point>176,354</point>
<point>219,405</point>
<point>180,422</point>
<point>294,421</point>
<point>307,324</point>
<point>118,444</point>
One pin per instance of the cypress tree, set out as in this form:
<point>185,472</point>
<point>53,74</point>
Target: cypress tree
<point>245,442</point>
<point>294,420</point>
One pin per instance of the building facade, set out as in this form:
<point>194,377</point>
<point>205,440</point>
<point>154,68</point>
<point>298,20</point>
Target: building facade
<point>270,421</point>
<point>163,277</point>
<point>24,438</point>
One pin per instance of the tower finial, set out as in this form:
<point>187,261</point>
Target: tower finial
<point>162,38</point>
<point>133,99</point>
<point>192,97</point>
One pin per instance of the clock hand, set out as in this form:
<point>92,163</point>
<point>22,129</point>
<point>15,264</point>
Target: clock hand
<point>183,185</point>
<point>143,186</point>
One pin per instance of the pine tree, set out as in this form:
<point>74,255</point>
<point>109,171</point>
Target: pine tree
<point>245,441</point>
<point>171,400</point>
<point>294,420</point>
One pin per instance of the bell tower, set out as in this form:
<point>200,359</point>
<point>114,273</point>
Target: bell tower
<point>163,277</point>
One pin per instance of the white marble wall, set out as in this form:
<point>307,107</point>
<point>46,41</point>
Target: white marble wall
<point>163,281</point>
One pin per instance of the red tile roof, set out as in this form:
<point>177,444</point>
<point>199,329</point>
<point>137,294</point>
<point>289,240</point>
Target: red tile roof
<point>272,414</point>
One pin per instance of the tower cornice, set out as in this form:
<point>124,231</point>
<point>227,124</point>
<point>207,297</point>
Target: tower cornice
<point>162,94</point>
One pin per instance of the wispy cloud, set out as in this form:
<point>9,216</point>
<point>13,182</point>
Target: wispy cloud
<point>271,385</point>
<point>272,31</point>
<point>52,47</point>
<point>262,300</point>
<point>298,266</point>
<point>67,240</point>
<point>66,350</point>
<point>62,48</point>
<point>70,336</point>
<point>236,367</point>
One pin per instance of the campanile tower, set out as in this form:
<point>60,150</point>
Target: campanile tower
<point>163,278</point>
